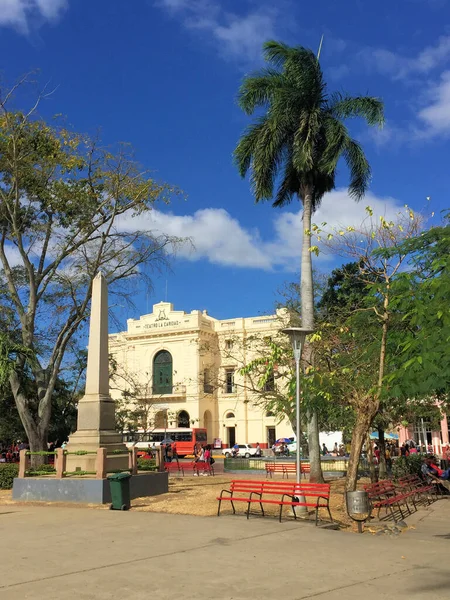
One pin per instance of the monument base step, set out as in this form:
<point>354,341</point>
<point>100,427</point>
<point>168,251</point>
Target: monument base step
<point>85,490</point>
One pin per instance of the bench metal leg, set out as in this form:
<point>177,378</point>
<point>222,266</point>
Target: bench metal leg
<point>329,512</point>
<point>218,509</point>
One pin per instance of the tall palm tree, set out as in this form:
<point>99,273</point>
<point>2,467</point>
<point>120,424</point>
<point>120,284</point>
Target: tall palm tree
<point>293,149</point>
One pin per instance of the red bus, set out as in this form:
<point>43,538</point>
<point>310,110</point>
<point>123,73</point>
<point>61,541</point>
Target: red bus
<point>185,438</point>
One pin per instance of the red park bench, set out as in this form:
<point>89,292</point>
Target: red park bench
<point>174,467</point>
<point>286,468</point>
<point>384,494</point>
<point>194,468</point>
<point>316,495</point>
<point>423,489</point>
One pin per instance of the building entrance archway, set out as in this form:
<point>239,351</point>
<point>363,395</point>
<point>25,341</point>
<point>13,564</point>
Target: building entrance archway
<point>231,436</point>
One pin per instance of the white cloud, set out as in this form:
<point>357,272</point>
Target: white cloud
<point>236,36</point>
<point>242,38</point>
<point>436,115</point>
<point>430,121</point>
<point>399,66</point>
<point>13,256</point>
<point>20,13</point>
<point>215,236</point>
<point>219,238</point>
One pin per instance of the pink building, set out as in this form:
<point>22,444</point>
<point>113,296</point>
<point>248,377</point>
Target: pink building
<point>421,433</point>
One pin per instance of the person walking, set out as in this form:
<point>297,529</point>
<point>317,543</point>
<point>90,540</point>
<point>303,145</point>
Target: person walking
<point>208,458</point>
<point>200,459</point>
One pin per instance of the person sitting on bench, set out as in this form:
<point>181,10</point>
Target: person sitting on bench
<point>433,469</point>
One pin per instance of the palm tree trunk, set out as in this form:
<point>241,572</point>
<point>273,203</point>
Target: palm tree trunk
<point>307,302</point>
<point>306,275</point>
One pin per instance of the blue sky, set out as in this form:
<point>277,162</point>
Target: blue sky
<point>164,74</point>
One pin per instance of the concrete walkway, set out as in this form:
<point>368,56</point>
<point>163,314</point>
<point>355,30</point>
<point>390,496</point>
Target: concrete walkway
<point>83,554</point>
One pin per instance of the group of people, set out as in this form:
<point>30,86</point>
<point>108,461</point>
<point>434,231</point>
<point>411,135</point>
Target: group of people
<point>283,449</point>
<point>410,447</point>
<point>338,450</point>
<point>203,454</point>
<point>10,452</point>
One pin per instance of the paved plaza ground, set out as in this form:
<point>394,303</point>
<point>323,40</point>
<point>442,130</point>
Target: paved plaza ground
<point>84,554</point>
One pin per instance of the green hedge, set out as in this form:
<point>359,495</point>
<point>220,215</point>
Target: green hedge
<point>146,464</point>
<point>407,465</point>
<point>47,468</point>
<point>7,473</point>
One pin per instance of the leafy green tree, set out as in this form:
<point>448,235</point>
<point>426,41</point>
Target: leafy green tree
<point>421,296</point>
<point>364,322</point>
<point>295,146</point>
<point>66,212</point>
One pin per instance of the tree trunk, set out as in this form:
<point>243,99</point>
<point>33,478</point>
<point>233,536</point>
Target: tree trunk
<point>362,424</point>
<point>382,470</point>
<point>38,443</point>
<point>36,430</point>
<point>307,310</point>
<point>316,475</point>
<point>372,470</point>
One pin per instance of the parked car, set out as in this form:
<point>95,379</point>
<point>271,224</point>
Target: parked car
<point>245,450</point>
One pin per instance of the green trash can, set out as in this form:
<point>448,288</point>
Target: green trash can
<point>119,484</point>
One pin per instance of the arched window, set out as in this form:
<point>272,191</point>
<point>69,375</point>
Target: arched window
<point>183,419</point>
<point>162,373</point>
<point>229,415</point>
<point>160,419</point>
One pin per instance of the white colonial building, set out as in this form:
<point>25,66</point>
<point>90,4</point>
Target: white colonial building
<point>186,368</point>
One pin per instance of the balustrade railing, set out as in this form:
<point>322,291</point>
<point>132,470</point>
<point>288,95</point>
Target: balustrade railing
<point>102,464</point>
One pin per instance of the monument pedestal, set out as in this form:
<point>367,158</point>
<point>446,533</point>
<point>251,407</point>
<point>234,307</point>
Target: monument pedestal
<point>96,410</point>
<point>95,429</point>
<point>85,489</point>
<point>91,440</point>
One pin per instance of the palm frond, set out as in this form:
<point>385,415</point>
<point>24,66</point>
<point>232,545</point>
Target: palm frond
<point>259,89</point>
<point>268,157</point>
<point>334,139</point>
<point>366,107</point>
<point>359,168</point>
<point>246,146</point>
<point>323,183</point>
<point>305,72</point>
<point>290,183</point>
<point>304,141</point>
<point>276,52</point>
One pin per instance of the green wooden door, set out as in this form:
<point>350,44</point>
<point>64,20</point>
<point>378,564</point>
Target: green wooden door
<point>162,373</point>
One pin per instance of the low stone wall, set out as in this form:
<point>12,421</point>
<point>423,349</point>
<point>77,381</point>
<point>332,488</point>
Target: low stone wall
<point>84,490</point>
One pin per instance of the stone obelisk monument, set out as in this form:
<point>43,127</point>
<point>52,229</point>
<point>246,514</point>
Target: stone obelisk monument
<point>96,418</point>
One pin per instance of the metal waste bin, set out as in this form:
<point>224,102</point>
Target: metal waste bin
<point>358,507</point>
<point>119,484</point>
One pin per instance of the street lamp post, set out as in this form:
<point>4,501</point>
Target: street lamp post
<point>297,335</point>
